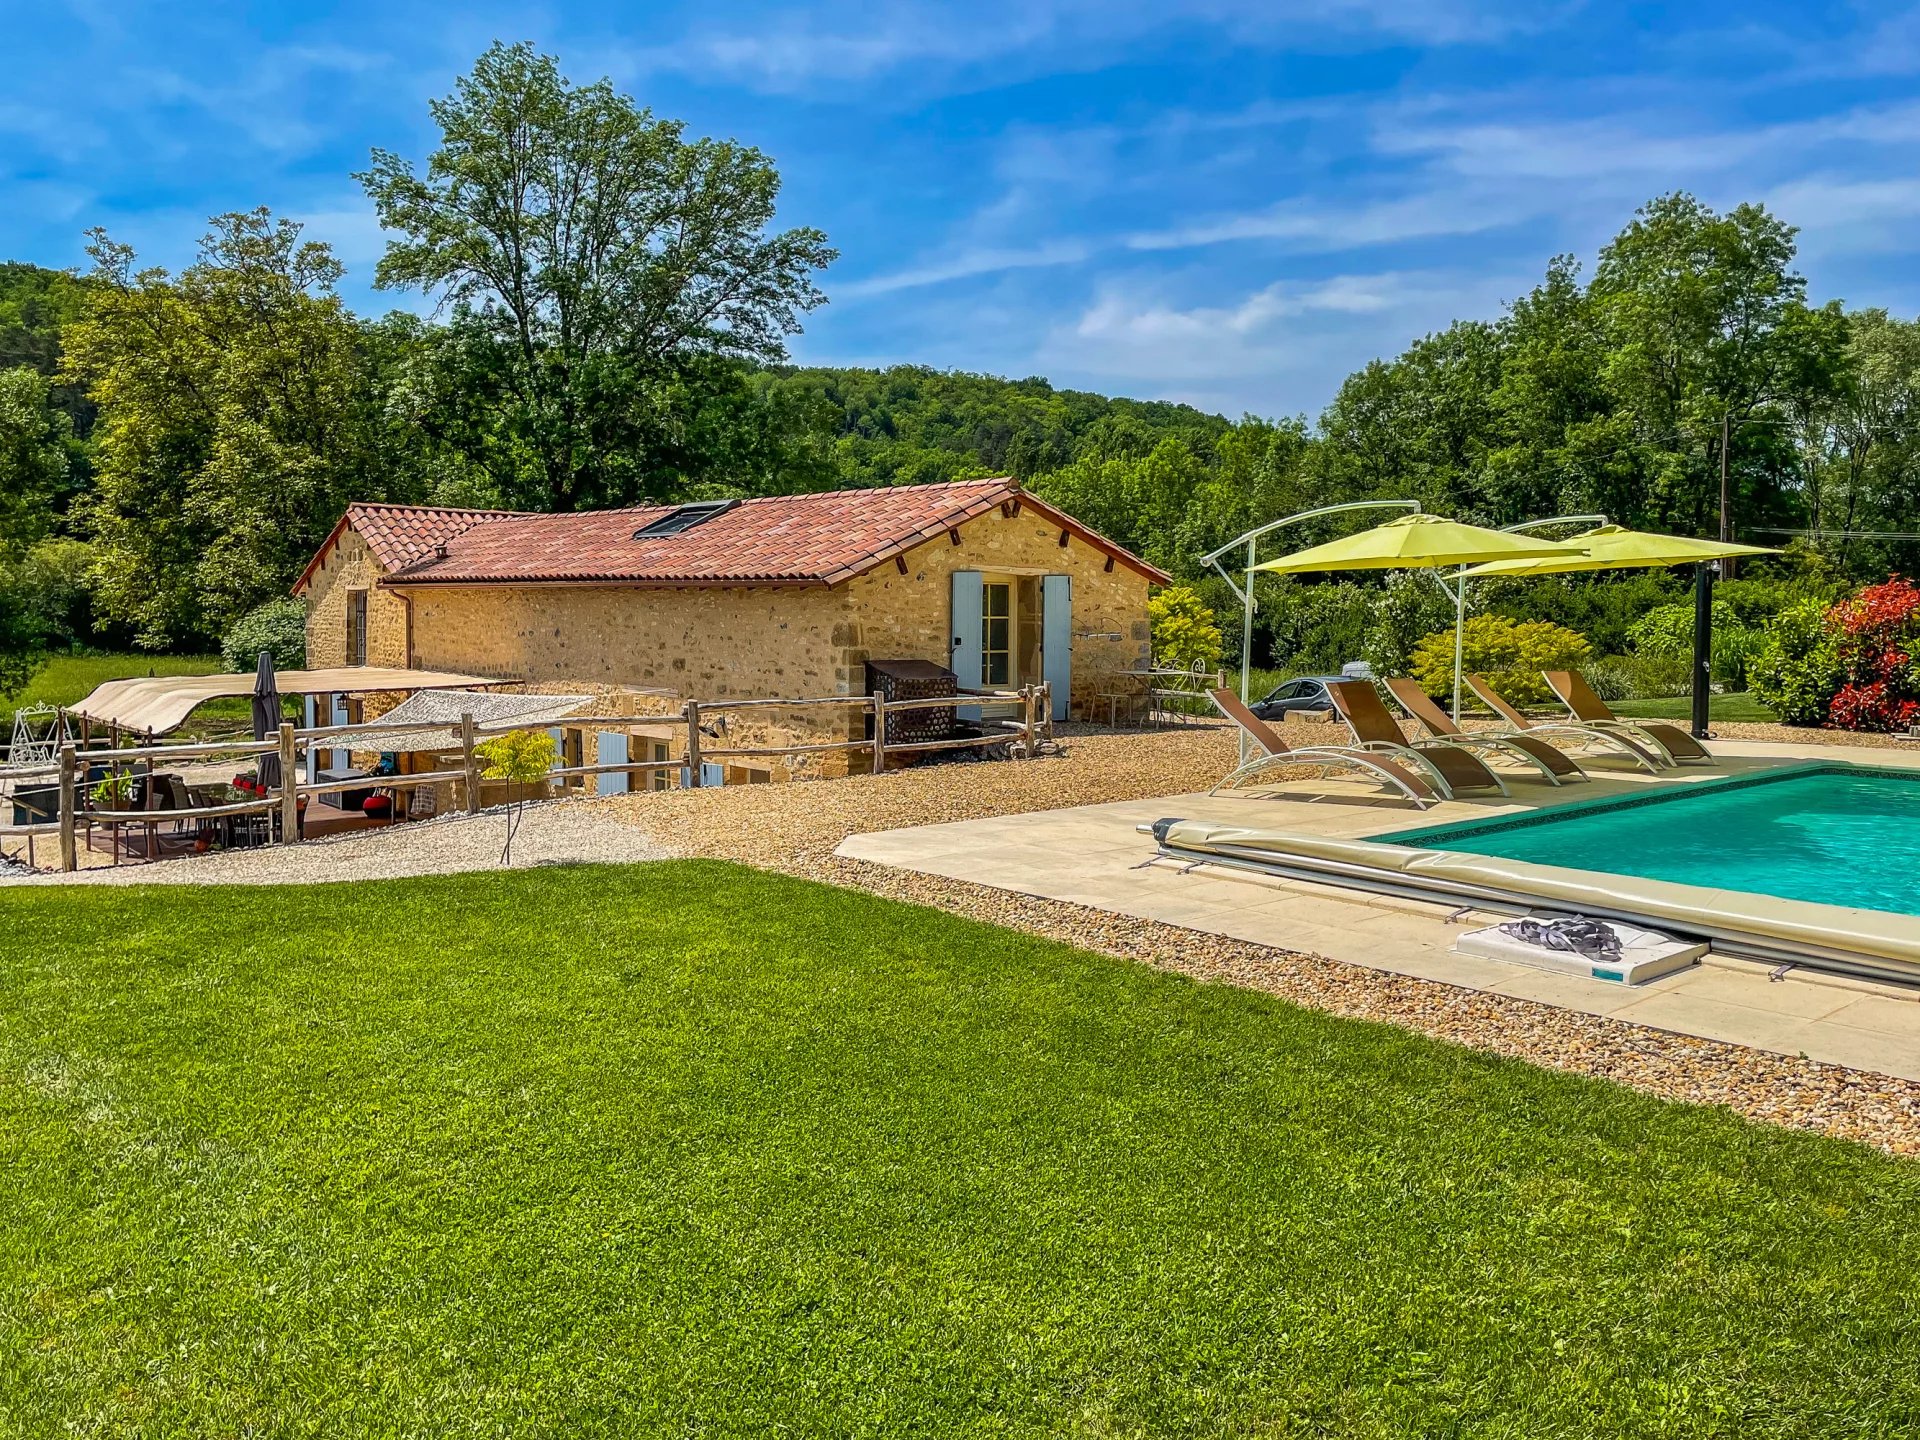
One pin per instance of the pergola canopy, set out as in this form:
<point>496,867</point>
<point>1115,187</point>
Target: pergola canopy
<point>160,704</point>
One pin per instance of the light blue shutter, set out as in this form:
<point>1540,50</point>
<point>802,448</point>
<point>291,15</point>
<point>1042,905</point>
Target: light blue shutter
<point>309,713</point>
<point>610,748</point>
<point>1056,639</point>
<point>337,705</point>
<point>965,661</point>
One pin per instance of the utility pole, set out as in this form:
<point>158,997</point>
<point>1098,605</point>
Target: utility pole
<point>1726,518</point>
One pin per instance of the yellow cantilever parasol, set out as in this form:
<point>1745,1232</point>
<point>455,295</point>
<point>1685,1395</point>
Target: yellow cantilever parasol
<point>1614,547</point>
<point>1426,542</point>
<point>1421,542</point>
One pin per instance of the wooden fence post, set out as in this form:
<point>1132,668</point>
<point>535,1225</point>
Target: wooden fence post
<point>289,786</point>
<point>1030,695</point>
<point>879,732</point>
<point>691,714</point>
<point>470,762</point>
<point>69,853</point>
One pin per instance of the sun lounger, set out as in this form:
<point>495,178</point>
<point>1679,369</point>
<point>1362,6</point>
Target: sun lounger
<point>1589,709</point>
<point>1559,767</point>
<point>1422,789</point>
<point>1647,757</point>
<point>1374,729</point>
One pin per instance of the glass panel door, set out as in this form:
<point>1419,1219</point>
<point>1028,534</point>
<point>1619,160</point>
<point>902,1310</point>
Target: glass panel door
<point>996,634</point>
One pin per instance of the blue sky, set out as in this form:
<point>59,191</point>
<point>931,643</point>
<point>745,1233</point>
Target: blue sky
<point>1228,203</point>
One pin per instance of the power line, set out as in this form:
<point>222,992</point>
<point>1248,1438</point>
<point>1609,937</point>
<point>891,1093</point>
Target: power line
<point>1837,534</point>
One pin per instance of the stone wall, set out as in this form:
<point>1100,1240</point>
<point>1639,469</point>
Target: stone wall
<point>350,566</point>
<point>722,643</point>
<point>909,616</point>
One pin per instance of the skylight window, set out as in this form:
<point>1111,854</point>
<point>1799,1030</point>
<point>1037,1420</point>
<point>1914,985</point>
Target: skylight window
<point>683,518</point>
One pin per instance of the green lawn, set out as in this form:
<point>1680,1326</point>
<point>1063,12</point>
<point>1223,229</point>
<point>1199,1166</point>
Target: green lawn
<point>67,678</point>
<point>688,1149</point>
<point>1730,709</point>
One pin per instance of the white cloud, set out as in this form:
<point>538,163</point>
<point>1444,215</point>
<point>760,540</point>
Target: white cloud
<point>963,265</point>
<point>1309,224</point>
<point>349,225</point>
<point>794,51</point>
<point>1280,340</point>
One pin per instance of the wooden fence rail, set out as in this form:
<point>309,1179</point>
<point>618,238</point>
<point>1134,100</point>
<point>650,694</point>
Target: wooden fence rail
<point>1032,706</point>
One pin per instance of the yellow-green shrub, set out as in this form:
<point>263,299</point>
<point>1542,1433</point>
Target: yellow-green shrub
<point>1185,633</point>
<point>1509,653</point>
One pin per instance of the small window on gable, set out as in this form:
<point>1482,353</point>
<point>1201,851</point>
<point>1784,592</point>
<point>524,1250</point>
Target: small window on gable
<point>683,518</point>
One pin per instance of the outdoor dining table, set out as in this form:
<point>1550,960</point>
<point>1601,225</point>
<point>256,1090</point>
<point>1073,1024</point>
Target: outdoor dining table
<point>235,832</point>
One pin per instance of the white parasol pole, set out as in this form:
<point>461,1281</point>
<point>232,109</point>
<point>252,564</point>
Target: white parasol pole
<point>1251,540</point>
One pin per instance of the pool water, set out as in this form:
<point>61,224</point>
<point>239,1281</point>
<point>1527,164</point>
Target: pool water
<point>1841,835</point>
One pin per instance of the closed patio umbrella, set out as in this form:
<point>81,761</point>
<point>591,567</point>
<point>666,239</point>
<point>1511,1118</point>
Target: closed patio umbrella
<point>1425,542</point>
<point>266,717</point>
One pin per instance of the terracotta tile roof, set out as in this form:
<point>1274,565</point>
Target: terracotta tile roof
<point>820,538</point>
<point>398,535</point>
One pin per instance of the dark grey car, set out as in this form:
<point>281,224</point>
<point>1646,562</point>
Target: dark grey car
<point>1308,692</point>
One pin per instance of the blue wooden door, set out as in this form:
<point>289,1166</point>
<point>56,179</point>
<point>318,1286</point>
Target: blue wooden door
<point>610,748</point>
<point>1056,639</point>
<point>968,589</point>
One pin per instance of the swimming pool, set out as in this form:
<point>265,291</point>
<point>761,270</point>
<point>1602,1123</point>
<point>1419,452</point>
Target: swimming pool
<point>1836,834</point>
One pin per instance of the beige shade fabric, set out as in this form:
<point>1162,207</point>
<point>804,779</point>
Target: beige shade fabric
<point>160,704</point>
<point>490,712</point>
<point>1418,542</point>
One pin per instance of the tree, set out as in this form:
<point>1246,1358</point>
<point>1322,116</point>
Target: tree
<point>1874,472</point>
<point>33,457</point>
<point>1186,635</point>
<point>1696,309</point>
<point>235,423</point>
<point>33,472</point>
<point>589,250</point>
<point>519,757</point>
<point>278,627</point>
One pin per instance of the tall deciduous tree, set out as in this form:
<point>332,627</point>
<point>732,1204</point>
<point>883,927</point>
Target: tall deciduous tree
<point>589,250</point>
<point>1696,309</point>
<point>235,423</point>
<point>33,471</point>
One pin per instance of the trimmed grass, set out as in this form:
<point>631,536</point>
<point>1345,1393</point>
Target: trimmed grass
<point>691,1149</point>
<point>67,678</point>
<point>1730,709</point>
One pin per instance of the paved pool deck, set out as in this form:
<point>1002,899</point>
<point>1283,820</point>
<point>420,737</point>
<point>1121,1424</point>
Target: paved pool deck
<point>1092,855</point>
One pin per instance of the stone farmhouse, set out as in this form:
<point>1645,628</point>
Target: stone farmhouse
<point>783,596</point>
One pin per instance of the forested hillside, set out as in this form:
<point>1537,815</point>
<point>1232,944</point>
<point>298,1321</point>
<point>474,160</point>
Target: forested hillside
<point>173,445</point>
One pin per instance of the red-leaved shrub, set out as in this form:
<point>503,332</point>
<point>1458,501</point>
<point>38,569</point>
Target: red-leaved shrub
<point>1878,630</point>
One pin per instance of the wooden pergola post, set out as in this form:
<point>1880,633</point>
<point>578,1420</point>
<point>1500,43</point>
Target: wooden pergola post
<point>289,787</point>
<point>470,762</point>
<point>69,850</point>
<point>691,713</point>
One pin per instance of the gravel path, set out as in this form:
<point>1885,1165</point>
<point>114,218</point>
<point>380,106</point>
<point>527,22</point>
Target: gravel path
<point>795,829</point>
<point>551,834</point>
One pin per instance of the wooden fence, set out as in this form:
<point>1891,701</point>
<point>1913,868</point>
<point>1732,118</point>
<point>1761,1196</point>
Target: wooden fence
<point>1032,707</point>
